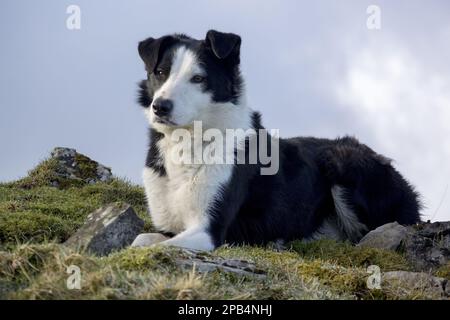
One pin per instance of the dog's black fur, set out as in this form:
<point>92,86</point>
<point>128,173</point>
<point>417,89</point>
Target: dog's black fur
<point>294,203</point>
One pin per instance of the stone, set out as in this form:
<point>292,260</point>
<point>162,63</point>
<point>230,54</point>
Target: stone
<point>205,263</point>
<point>108,229</point>
<point>427,245</point>
<point>388,236</point>
<point>433,287</point>
<point>76,166</point>
<point>148,239</point>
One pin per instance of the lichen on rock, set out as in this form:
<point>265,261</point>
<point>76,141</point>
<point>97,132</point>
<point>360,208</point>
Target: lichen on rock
<point>107,229</point>
<point>65,168</point>
<point>76,166</point>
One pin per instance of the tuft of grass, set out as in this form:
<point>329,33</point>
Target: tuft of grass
<point>348,255</point>
<point>143,259</point>
<point>33,227</point>
<point>44,174</point>
<point>336,270</point>
<point>50,173</point>
<point>48,213</point>
<point>444,271</point>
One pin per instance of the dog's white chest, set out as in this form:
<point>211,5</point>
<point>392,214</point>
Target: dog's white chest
<point>182,197</point>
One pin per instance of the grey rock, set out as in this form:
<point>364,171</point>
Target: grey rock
<point>205,263</point>
<point>388,236</point>
<point>108,229</point>
<point>72,165</point>
<point>148,239</point>
<point>428,285</point>
<point>427,245</point>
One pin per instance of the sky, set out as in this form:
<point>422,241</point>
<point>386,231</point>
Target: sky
<point>313,68</point>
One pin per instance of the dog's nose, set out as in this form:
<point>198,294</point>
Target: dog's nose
<point>162,107</point>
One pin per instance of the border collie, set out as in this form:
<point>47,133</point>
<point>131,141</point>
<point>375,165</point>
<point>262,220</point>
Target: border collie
<point>337,189</point>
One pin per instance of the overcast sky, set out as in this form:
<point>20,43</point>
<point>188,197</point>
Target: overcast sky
<point>311,68</point>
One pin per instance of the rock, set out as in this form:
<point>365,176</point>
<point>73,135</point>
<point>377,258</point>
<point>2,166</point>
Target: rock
<point>148,239</point>
<point>388,236</point>
<point>107,229</point>
<point>203,262</point>
<point>427,245</point>
<point>75,166</point>
<point>428,285</point>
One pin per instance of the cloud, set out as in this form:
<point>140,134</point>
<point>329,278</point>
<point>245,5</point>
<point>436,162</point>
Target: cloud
<point>403,109</point>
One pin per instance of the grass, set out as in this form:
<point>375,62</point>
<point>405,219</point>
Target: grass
<point>39,271</point>
<point>347,255</point>
<point>31,210</point>
<point>36,216</point>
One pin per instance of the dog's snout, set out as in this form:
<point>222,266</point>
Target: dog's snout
<point>162,107</point>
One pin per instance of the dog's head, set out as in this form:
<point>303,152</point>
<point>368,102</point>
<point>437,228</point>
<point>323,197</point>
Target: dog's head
<point>188,78</point>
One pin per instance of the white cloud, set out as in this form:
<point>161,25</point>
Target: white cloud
<point>403,109</point>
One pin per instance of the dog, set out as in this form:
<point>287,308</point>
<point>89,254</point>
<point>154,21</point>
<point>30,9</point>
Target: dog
<point>323,188</point>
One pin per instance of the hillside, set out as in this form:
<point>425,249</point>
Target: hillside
<point>44,209</point>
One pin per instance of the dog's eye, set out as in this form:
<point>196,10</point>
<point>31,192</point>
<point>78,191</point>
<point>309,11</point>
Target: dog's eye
<point>197,79</point>
<point>160,74</point>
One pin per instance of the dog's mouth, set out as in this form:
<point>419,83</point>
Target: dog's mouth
<point>165,121</point>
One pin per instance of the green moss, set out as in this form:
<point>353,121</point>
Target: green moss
<point>345,254</point>
<point>86,168</point>
<point>32,226</point>
<point>50,213</point>
<point>444,271</point>
<point>143,259</point>
<point>339,278</point>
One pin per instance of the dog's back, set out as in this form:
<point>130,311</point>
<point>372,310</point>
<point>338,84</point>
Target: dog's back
<point>338,189</point>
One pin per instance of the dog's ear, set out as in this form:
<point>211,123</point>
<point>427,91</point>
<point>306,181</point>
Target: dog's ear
<point>223,45</point>
<point>150,50</point>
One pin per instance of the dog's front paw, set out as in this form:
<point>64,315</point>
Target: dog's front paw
<point>148,239</point>
<point>190,243</point>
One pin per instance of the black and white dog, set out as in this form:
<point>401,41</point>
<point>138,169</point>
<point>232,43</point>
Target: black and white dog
<point>323,188</point>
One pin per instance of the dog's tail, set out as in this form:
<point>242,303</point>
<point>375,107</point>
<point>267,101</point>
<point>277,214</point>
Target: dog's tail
<point>366,189</point>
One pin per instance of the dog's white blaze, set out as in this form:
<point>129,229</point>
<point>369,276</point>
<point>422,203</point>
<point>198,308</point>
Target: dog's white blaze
<point>188,98</point>
<point>347,219</point>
